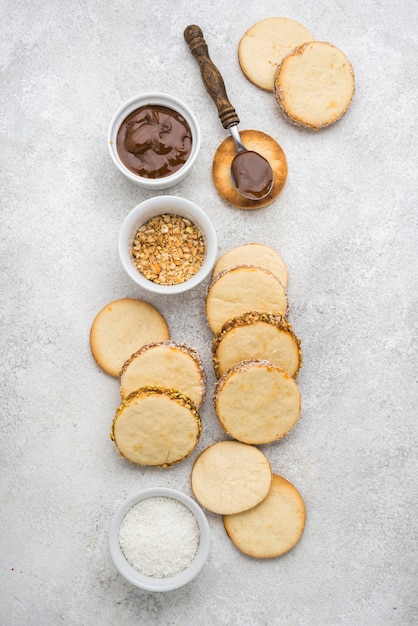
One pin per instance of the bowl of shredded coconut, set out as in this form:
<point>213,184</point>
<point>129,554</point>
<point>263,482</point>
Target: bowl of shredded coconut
<point>159,539</point>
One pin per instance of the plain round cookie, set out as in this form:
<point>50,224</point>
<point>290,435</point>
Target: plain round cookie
<point>257,402</point>
<point>253,254</point>
<point>257,336</point>
<point>258,142</point>
<point>156,427</point>
<point>166,364</point>
<point>229,477</point>
<point>121,328</point>
<point>265,44</point>
<point>314,85</point>
<point>240,289</point>
<point>271,528</point>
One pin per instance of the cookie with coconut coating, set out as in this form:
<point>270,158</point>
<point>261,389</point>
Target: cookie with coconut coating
<point>314,85</point>
<point>257,402</point>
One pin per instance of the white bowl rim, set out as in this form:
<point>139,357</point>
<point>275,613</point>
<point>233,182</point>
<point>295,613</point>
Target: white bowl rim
<point>155,206</point>
<point>146,582</point>
<point>163,99</point>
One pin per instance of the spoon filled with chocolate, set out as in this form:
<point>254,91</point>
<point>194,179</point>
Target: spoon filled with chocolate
<point>251,174</point>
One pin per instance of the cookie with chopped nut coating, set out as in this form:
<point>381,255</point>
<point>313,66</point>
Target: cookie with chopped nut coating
<point>165,364</point>
<point>257,402</point>
<point>259,142</point>
<point>271,528</point>
<point>314,85</point>
<point>240,289</point>
<point>121,328</point>
<point>257,336</point>
<point>265,44</point>
<point>156,427</point>
<point>258,254</point>
<point>230,476</point>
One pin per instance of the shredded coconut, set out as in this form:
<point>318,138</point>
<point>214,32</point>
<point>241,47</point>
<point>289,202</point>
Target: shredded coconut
<point>159,536</point>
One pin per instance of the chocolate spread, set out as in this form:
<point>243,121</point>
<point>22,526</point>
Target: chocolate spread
<point>252,174</point>
<point>154,141</point>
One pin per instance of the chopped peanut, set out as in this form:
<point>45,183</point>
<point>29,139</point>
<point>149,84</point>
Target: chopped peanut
<point>168,249</point>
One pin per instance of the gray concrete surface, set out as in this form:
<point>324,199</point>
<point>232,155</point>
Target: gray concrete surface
<point>346,225</point>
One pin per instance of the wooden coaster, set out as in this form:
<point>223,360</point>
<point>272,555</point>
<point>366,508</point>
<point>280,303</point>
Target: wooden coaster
<point>264,145</point>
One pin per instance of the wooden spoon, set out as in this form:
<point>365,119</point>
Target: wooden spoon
<point>251,174</point>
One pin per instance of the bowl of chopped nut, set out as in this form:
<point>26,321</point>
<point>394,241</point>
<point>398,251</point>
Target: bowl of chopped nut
<point>167,244</point>
<point>154,140</point>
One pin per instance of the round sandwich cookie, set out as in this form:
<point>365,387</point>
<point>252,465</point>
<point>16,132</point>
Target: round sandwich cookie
<point>314,85</point>
<point>257,336</point>
<point>167,365</point>
<point>156,427</point>
<point>258,142</point>
<point>257,402</point>
<point>271,528</point>
<point>229,477</point>
<point>265,44</point>
<point>240,289</point>
<point>258,254</point>
<point>121,328</point>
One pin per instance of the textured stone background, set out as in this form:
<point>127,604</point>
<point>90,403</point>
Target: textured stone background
<point>346,225</point>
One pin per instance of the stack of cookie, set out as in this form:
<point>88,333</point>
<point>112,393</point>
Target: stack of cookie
<point>256,354</point>
<point>263,513</point>
<point>313,81</point>
<point>162,383</point>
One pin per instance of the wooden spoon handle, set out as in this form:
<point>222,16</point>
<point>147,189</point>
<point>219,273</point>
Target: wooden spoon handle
<point>211,76</point>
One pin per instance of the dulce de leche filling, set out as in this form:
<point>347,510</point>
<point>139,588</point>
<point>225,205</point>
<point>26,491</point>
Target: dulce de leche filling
<point>154,141</point>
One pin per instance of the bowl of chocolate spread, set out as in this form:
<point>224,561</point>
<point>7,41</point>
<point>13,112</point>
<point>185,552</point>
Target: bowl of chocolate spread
<point>154,140</point>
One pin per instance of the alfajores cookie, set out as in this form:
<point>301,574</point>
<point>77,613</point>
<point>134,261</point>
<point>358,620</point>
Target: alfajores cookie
<point>156,427</point>
<point>265,44</point>
<point>271,528</point>
<point>257,402</point>
<point>257,336</point>
<point>121,328</point>
<point>314,85</point>
<point>168,365</point>
<point>221,168</point>
<point>258,254</point>
<point>240,289</point>
<point>230,476</point>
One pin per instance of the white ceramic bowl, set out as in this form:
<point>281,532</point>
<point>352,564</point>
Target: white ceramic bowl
<point>157,206</point>
<point>163,100</point>
<point>146,582</point>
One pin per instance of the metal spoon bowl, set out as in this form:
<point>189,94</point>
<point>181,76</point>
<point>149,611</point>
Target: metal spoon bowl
<point>251,174</point>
